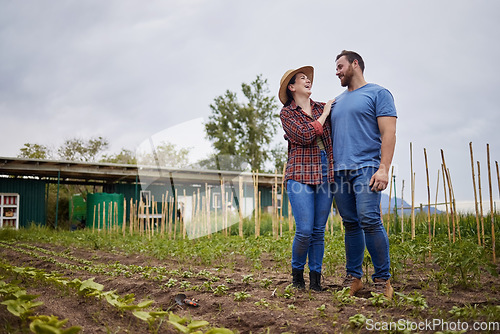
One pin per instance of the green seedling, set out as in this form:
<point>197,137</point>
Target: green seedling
<point>51,324</point>
<point>240,296</point>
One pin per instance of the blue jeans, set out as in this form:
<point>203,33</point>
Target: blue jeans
<point>311,206</point>
<point>359,207</point>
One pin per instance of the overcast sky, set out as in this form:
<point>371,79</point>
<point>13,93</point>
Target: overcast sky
<point>128,70</point>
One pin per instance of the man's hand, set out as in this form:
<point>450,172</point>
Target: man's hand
<point>379,180</point>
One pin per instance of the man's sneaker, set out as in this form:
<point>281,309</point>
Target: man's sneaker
<point>383,286</point>
<point>353,283</point>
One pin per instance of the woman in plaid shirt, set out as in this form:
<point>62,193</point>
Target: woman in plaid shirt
<point>309,171</point>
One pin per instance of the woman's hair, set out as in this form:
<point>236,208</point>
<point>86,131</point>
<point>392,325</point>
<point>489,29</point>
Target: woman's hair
<point>288,92</point>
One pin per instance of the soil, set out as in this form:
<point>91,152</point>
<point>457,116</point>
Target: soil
<point>265,311</point>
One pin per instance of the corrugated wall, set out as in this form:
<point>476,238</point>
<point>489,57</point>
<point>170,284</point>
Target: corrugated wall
<point>31,201</point>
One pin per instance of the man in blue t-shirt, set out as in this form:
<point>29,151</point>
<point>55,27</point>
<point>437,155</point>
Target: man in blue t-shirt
<point>364,136</point>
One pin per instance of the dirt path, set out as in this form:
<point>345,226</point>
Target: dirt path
<point>269,306</point>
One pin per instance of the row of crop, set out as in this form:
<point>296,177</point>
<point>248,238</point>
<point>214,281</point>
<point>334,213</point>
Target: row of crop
<point>88,288</point>
<point>22,305</point>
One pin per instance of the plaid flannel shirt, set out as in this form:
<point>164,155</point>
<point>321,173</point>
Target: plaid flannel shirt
<point>301,131</point>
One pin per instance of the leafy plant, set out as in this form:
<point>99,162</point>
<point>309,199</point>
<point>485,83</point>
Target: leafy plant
<point>357,321</point>
<point>378,299</point>
<point>43,324</point>
<point>240,296</point>
<point>220,290</point>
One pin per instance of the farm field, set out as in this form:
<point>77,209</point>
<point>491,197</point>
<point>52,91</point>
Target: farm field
<point>110,283</point>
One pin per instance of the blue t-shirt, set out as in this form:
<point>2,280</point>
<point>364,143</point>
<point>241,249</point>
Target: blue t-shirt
<point>355,132</point>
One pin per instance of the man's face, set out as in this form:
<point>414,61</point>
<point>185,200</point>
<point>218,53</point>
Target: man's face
<point>345,71</point>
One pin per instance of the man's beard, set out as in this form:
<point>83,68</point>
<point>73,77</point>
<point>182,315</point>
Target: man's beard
<point>346,79</point>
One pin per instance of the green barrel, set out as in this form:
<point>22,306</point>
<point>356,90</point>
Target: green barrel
<point>104,210</point>
<point>77,211</point>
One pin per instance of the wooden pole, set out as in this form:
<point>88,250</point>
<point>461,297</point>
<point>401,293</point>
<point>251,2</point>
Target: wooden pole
<point>480,200</point>
<point>457,217</point>
<point>93,221</point>
<point>182,213</point>
<point>428,195</point>
<point>255,177</point>
<point>208,199</point>
<point>452,210</point>
<point>104,222</point>
<point>240,206</point>
<point>435,206</point>
<point>412,186</point>
<point>176,207</point>
<point>402,210</point>
<point>447,178</point>
<point>389,207</point>
<point>475,193</point>
<point>498,177</point>
<point>492,209</point>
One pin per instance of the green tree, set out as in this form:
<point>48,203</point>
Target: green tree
<point>165,155</point>
<point>279,155</point>
<point>78,149</point>
<point>34,151</point>
<point>124,157</point>
<point>244,129</point>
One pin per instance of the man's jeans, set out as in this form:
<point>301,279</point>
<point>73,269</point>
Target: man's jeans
<point>359,207</point>
<point>311,206</point>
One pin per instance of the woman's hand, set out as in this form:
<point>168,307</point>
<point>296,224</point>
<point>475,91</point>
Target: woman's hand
<point>328,107</point>
<point>326,112</point>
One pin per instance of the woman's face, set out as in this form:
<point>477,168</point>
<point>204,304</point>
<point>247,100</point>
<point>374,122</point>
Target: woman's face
<point>302,85</point>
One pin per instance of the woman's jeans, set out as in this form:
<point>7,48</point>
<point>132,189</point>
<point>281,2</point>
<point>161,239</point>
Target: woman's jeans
<point>311,205</point>
<point>359,207</point>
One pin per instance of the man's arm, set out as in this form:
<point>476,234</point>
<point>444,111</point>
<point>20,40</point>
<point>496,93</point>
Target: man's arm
<point>387,127</point>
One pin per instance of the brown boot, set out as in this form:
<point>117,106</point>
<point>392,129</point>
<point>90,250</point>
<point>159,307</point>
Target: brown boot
<point>383,286</point>
<point>353,283</point>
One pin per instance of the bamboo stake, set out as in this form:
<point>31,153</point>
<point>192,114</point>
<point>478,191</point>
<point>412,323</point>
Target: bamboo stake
<point>255,177</point>
<point>402,210</point>
<point>177,220</point>
<point>93,221</point>
<point>457,216</point>
<point>226,216</point>
<point>290,215</point>
<point>475,193</point>
<point>162,218</point>
<point>480,200</point>
<point>182,213</point>
<point>207,208</point>
<point>223,208</point>
<point>240,206</point>
<point>492,209</point>
<point>413,206</point>
<point>99,218</point>
<point>130,217</point>
<point>452,211</point>
<point>104,222</point>
<point>194,215</point>
<point>389,207</point>
<point>449,189</point>
<point>435,206</point>
<point>428,195</point>
<point>124,216</point>
<point>446,203</point>
<point>171,217</point>
<point>275,205</point>
<point>498,177</point>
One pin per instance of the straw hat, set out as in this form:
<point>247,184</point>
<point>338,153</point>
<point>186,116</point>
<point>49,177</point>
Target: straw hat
<point>285,79</point>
